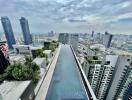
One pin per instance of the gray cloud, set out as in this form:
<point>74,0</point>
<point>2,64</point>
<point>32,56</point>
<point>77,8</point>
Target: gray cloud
<point>76,20</point>
<point>45,15</point>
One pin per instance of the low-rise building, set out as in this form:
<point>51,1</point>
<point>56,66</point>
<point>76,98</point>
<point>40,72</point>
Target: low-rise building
<point>21,49</point>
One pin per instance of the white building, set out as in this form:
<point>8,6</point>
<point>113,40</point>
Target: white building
<point>21,49</point>
<point>109,78</point>
<point>92,67</point>
<point>120,77</point>
<point>116,76</point>
<point>109,66</point>
<point>25,49</point>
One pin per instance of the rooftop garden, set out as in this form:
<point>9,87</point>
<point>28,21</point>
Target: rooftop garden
<point>21,72</point>
<point>50,45</point>
<point>27,70</point>
<point>93,59</point>
<point>39,53</point>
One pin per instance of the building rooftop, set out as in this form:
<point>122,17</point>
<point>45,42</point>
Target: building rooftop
<point>120,52</point>
<point>12,90</point>
<point>98,46</point>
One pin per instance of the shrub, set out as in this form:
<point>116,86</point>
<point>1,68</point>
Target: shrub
<point>21,72</point>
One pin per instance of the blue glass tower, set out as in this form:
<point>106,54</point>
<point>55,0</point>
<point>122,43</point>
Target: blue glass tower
<point>26,31</point>
<point>8,31</point>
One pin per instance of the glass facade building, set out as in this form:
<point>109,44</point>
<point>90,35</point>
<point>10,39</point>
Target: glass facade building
<point>8,31</point>
<point>26,31</point>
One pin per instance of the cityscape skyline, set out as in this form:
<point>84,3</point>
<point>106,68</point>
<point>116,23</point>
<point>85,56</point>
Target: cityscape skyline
<point>66,50</point>
<point>70,16</point>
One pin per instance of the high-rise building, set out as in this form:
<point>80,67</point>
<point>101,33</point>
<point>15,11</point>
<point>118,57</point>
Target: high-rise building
<point>92,34</point>
<point>106,75</point>
<point>119,78</point>
<point>8,31</point>
<point>107,39</point>
<point>110,79</point>
<point>128,85</point>
<point>51,34</point>
<point>26,32</point>
<point>128,93</point>
<point>74,41</point>
<point>109,73</point>
<point>64,38</point>
<point>92,67</point>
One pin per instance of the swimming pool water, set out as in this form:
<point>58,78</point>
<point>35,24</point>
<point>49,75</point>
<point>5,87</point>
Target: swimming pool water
<point>66,83</point>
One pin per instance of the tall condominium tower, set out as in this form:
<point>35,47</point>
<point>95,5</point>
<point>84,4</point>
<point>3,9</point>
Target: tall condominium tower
<point>8,31</point>
<point>115,77</point>
<point>63,38</point>
<point>26,31</point>
<point>110,75</point>
<point>71,39</point>
<point>120,77</point>
<point>128,92</point>
<point>74,41</point>
<point>107,39</point>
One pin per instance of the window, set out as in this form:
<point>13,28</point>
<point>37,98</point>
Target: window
<point>128,59</point>
<point>107,62</point>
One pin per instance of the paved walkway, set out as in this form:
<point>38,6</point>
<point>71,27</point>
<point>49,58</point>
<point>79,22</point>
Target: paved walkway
<point>45,85</point>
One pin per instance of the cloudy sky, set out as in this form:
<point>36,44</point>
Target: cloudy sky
<point>114,16</point>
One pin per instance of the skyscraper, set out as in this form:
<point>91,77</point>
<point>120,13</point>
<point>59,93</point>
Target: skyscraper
<point>114,76</point>
<point>74,41</point>
<point>120,76</point>
<point>92,34</point>
<point>128,92</point>
<point>26,31</point>
<point>107,39</point>
<point>8,31</point>
<point>63,38</point>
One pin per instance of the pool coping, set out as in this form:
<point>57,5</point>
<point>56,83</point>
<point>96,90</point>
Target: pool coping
<point>41,95</point>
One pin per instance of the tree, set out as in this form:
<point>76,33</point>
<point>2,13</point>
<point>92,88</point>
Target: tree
<point>18,71</point>
<point>39,53</point>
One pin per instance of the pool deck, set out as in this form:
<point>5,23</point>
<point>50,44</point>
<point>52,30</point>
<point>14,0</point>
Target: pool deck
<point>46,82</point>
